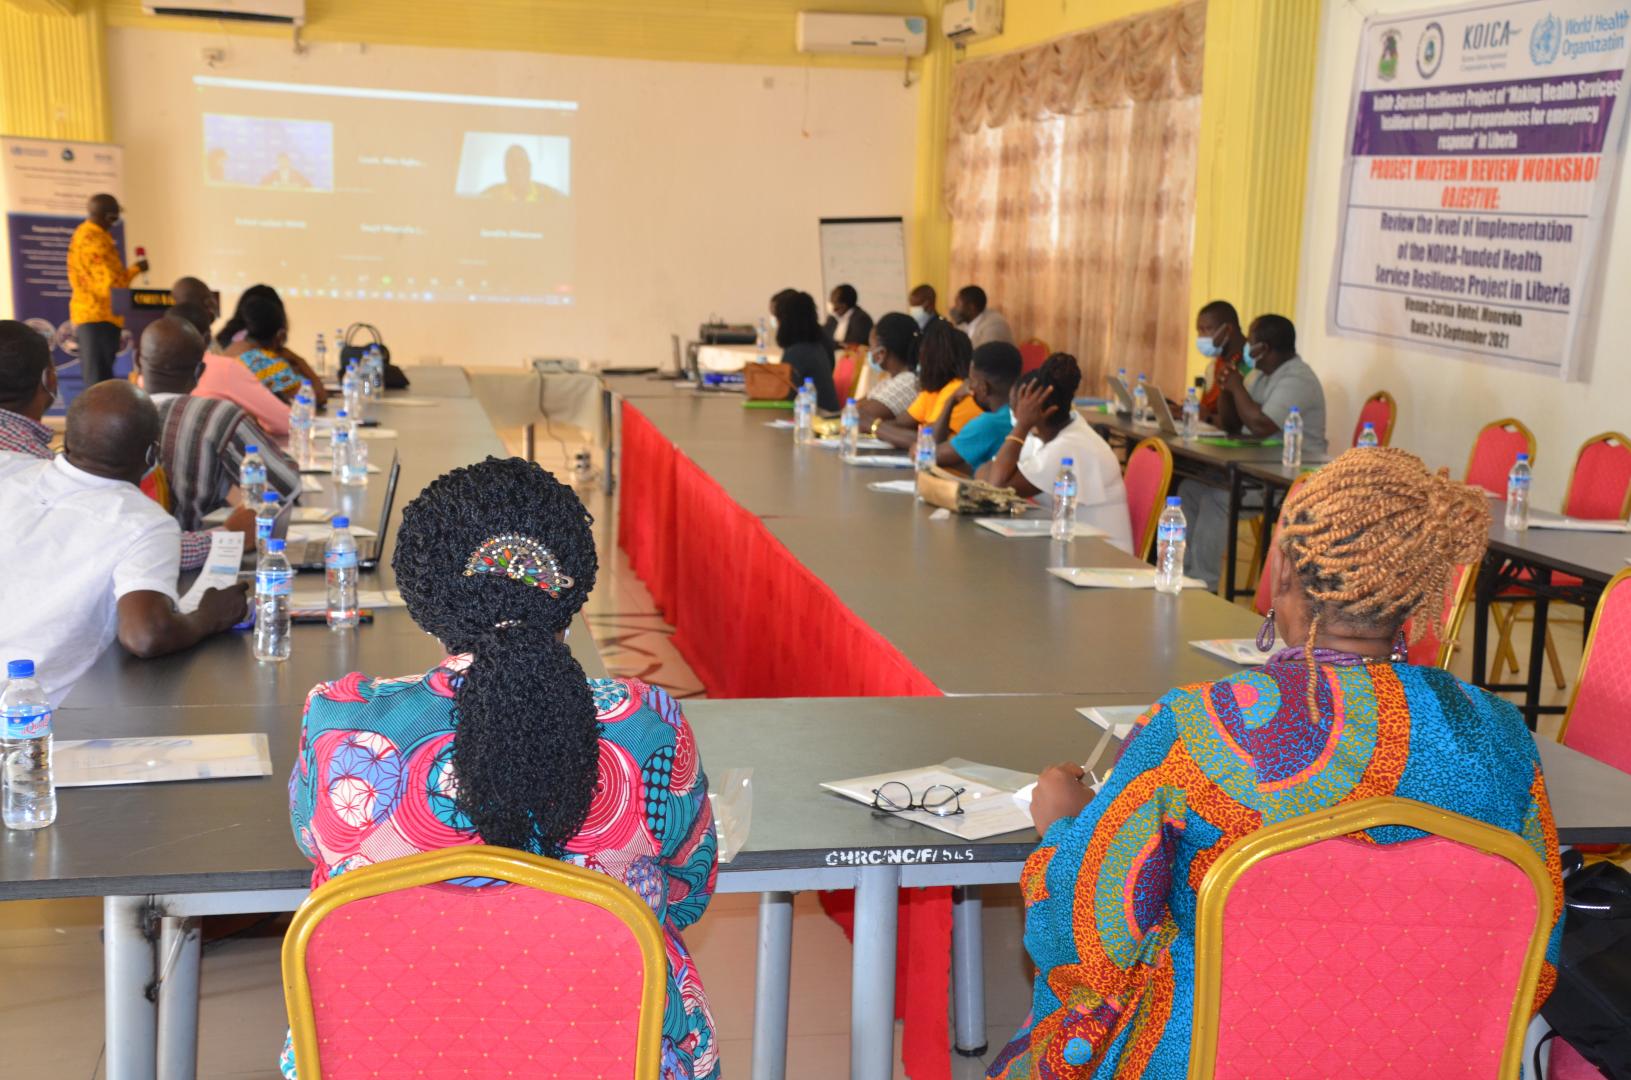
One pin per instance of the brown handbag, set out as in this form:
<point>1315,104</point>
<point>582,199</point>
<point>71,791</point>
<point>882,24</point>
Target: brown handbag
<point>767,382</point>
<point>964,496</point>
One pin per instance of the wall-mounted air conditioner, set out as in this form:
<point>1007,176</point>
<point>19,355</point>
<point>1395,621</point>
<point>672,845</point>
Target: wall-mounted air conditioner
<point>286,12</point>
<point>862,35</point>
<point>964,21</point>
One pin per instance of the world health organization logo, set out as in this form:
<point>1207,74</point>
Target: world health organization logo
<point>1545,40</point>
<point>1430,50</point>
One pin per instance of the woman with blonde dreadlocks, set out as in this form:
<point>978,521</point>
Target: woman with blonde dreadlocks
<point>1367,545</point>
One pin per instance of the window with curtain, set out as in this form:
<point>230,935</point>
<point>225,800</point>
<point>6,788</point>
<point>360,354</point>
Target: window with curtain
<point>1070,178</point>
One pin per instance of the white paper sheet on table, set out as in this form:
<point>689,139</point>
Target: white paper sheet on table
<point>220,569</point>
<point>376,433</point>
<point>780,425</point>
<point>311,515</point>
<point>1114,577</point>
<point>410,402</point>
<point>310,486</point>
<point>1032,527</point>
<point>324,466</point>
<point>1022,797</point>
<point>987,798</point>
<point>308,532</point>
<point>314,597</point>
<point>100,762</point>
<point>1243,651</point>
<point>1540,520</point>
<point>882,461</point>
<point>895,487</point>
<point>860,444</point>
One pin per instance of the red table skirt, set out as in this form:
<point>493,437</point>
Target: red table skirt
<point>752,621</point>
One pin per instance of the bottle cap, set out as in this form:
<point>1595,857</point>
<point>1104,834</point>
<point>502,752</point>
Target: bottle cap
<point>1174,500</point>
<point>251,448</point>
<point>269,497</point>
<point>275,544</point>
<point>849,401</point>
<point>341,415</point>
<point>303,399</point>
<point>1369,426</point>
<point>1296,410</point>
<point>809,382</point>
<point>342,523</point>
<point>20,669</point>
<point>1523,457</point>
<point>1068,462</point>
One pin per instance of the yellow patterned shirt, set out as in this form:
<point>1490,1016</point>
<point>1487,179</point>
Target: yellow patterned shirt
<point>95,270</point>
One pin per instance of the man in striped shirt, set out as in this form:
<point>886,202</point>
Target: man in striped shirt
<point>204,439</point>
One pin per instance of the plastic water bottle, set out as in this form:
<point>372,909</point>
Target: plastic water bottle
<point>924,458</point>
<point>320,352</point>
<point>849,434</point>
<point>1121,373</point>
<point>804,406</point>
<point>1169,547</point>
<point>1192,414</point>
<point>350,466</point>
<point>302,414</point>
<point>28,795</point>
<point>274,582</point>
<point>351,389</point>
<point>373,373</point>
<point>1064,501</point>
<point>759,343</point>
<point>265,518</point>
<point>252,475</point>
<point>1367,437</point>
<point>1291,440</point>
<point>340,570</point>
<point>1141,400</point>
<point>1517,495</point>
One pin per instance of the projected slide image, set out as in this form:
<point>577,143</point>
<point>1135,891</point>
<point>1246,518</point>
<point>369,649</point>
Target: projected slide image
<point>515,168</point>
<point>266,152</point>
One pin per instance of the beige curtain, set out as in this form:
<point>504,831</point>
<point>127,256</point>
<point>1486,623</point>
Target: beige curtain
<point>1070,177</point>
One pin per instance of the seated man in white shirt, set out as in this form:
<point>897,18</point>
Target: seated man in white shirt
<point>1047,431</point>
<point>1281,380</point>
<point>978,321</point>
<point>104,556</point>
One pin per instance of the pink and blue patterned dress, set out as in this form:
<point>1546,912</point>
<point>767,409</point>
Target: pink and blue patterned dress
<point>1110,895</point>
<point>374,781</point>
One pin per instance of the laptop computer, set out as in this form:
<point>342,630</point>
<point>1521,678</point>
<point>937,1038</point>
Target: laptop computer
<point>1165,424</point>
<point>306,553</point>
<point>1121,396</point>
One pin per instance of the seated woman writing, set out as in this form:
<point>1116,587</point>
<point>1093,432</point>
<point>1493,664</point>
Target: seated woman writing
<point>506,742</point>
<point>894,360</point>
<point>258,334</point>
<point>1367,543</point>
<point>943,357</point>
<point>1047,432</point>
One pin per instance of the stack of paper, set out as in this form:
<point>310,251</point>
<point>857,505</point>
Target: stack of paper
<point>1032,527</point>
<point>895,487</point>
<point>1540,519</point>
<point>220,569</point>
<point>99,762</point>
<point>1114,577</point>
<point>882,461</point>
<point>987,796</point>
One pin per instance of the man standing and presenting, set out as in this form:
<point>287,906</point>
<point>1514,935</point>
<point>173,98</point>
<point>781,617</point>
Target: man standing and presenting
<point>95,269</point>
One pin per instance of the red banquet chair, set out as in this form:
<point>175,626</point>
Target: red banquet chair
<point>846,369</point>
<point>1498,445</point>
<point>1034,352</point>
<point>1381,411</point>
<point>1148,478</point>
<point>390,970</point>
<point>1598,722</point>
<point>1318,953</point>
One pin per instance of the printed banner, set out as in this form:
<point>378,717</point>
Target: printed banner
<point>1484,145</point>
<point>44,185</point>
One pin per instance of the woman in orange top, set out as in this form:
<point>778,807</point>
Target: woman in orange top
<point>943,356</point>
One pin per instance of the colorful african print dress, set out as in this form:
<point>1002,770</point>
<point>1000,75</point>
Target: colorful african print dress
<point>372,780</point>
<point>273,371</point>
<point>1110,894</point>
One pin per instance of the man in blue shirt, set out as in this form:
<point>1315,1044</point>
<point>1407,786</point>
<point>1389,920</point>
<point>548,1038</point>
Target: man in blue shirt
<point>992,373</point>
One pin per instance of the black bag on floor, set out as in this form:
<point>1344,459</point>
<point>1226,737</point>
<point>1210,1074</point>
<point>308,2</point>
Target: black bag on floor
<point>1591,1006</point>
<point>352,347</point>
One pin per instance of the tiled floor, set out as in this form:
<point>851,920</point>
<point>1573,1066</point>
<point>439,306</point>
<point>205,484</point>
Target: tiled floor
<point>50,955</point>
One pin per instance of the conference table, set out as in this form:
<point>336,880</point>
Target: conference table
<point>923,608</point>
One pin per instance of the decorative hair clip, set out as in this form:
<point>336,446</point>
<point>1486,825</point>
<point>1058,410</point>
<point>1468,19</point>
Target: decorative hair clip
<point>519,558</point>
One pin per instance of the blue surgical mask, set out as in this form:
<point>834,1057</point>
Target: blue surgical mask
<point>873,363</point>
<point>1209,348</point>
<point>1248,359</point>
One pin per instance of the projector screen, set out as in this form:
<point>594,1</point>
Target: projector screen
<point>412,196</point>
<point>487,207</point>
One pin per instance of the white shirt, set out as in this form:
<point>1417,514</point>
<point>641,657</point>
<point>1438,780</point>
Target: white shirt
<point>1101,497</point>
<point>72,544</point>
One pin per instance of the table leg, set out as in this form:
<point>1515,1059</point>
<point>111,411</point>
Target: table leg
<point>872,979</point>
<point>529,442</point>
<point>131,1020</point>
<point>179,949</point>
<point>1537,649</point>
<point>771,985</point>
<point>608,482</point>
<point>968,970</point>
<point>1231,543</point>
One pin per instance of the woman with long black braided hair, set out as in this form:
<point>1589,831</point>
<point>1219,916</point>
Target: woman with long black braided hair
<point>506,742</point>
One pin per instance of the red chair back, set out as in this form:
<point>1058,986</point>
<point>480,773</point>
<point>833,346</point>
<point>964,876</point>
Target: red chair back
<point>1599,718</point>
<point>846,368</point>
<point>1600,486</point>
<point>1148,478</point>
<point>1498,445</point>
<point>1418,958</point>
<point>1380,411</point>
<point>1033,352</point>
<point>1437,642</point>
<point>392,975</point>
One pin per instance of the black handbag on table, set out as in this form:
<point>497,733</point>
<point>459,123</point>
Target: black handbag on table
<point>1591,1005</point>
<point>352,347</point>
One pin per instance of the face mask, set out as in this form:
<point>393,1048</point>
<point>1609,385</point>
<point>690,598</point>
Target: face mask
<point>1248,359</point>
<point>921,315</point>
<point>1209,348</point>
<point>774,323</point>
<point>832,309</point>
<point>874,360</point>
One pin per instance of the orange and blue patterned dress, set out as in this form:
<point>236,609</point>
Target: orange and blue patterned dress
<point>1110,894</point>
<point>374,780</point>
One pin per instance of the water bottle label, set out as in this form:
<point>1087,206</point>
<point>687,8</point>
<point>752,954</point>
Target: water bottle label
<point>274,583</point>
<point>30,725</point>
<point>263,528</point>
<point>340,560</point>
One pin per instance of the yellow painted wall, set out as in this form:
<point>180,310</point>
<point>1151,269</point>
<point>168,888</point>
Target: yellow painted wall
<point>53,73</point>
<point>1030,22</point>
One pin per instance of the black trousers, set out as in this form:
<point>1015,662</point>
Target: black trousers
<point>98,345</point>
